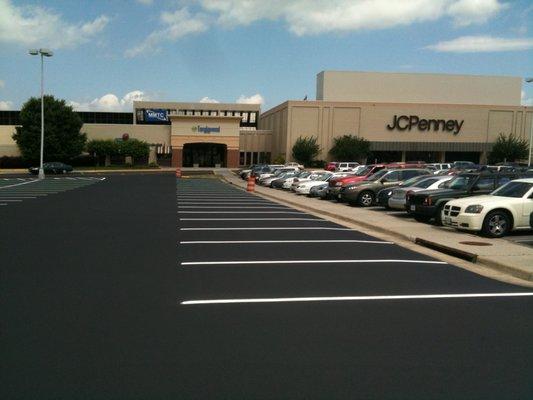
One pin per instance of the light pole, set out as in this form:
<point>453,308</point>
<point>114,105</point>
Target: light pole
<point>529,80</point>
<point>43,53</point>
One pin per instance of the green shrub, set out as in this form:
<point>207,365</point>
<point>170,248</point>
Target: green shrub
<point>509,148</point>
<point>350,148</point>
<point>305,149</point>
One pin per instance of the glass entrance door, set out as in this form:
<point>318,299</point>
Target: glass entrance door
<point>204,155</point>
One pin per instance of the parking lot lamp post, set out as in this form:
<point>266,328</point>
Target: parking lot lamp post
<point>43,53</point>
<point>529,80</point>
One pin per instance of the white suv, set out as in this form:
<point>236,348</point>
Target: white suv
<point>346,166</point>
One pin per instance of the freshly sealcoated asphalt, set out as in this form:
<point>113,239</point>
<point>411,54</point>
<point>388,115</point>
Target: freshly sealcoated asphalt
<point>95,283</point>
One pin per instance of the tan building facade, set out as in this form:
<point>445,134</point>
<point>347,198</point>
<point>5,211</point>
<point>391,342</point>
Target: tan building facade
<point>406,117</point>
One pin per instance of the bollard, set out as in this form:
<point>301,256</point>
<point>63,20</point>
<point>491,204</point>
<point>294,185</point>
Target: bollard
<point>178,172</point>
<point>251,184</point>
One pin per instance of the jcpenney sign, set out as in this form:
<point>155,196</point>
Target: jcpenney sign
<point>206,129</point>
<point>409,122</point>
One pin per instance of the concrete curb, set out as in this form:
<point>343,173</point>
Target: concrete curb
<point>479,260</point>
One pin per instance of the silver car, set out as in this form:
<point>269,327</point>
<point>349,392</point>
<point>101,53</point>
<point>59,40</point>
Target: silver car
<point>399,195</point>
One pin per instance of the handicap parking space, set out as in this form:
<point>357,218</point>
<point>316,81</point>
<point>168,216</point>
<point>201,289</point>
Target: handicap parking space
<point>266,253</point>
<point>18,190</point>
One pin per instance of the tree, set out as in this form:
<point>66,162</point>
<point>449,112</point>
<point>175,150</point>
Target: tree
<point>509,148</point>
<point>305,149</point>
<point>133,148</point>
<point>103,148</point>
<point>350,148</point>
<point>62,137</point>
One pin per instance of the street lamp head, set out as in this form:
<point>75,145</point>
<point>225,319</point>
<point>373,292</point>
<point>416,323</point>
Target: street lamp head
<point>46,52</point>
<point>33,52</point>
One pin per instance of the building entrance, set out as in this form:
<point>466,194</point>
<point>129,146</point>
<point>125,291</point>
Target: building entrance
<point>204,155</point>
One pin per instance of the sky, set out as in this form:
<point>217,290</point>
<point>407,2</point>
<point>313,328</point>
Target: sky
<point>110,53</point>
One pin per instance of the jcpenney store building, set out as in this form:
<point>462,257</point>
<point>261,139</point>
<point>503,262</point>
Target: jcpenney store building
<point>406,117</point>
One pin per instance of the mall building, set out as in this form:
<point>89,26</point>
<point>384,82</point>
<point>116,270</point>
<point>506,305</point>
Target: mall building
<point>406,117</point>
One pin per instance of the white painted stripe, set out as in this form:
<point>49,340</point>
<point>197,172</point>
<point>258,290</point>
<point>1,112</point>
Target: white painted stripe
<point>262,262</point>
<point>268,229</point>
<point>283,241</point>
<point>240,208</point>
<point>19,184</point>
<point>240,212</point>
<point>10,200</point>
<point>359,298</point>
<point>16,197</point>
<point>251,219</point>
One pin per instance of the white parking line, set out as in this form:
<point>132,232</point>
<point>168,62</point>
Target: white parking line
<point>282,241</point>
<point>358,298</point>
<point>10,200</point>
<point>251,219</point>
<point>240,212</point>
<point>19,184</point>
<point>240,208</point>
<point>258,262</point>
<point>303,228</point>
<point>16,198</point>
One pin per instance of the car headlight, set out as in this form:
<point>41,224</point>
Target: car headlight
<point>389,193</point>
<point>351,188</point>
<point>474,209</point>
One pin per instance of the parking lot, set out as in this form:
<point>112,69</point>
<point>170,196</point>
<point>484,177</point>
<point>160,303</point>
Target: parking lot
<point>152,287</point>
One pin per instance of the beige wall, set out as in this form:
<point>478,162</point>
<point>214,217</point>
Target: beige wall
<point>8,147</point>
<point>154,134</point>
<point>185,130</point>
<point>328,120</point>
<point>418,88</point>
<point>259,141</point>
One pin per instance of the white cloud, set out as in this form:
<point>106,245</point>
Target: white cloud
<point>38,26</point>
<point>255,99</point>
<point>480,44</point>
<point>311,17</point>
<point>468,12</point>
<point>307,17</point>
<point>175,25</point>
<point>110,102</point>
<point>6,105</point>
<point>526,101</point>
<point>207,99</point>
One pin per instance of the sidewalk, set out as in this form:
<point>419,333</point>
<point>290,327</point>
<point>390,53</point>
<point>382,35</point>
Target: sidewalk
<point>501,259</point>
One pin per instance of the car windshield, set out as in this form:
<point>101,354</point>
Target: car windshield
<point>461,182</point>
<point>320,177</point>
<point>304,174</point>
<point>513,189</point>
<point>377,175</point>
<point>425,183</point>
<point>364,171</point>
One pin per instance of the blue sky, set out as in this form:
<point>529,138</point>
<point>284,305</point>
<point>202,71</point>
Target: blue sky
<point>108,53</point>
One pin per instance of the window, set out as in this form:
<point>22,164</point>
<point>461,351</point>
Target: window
<point>242,158</point>
<point>484,184</point>
<point>197,112</point>
<point>503,180</point>
<point>205,112</point>
<point>244,117</point>
<point>248,158</point>
<point>213,113</point>
<point>190,112</point>
<point>237,113</point>
<point>409,174</point>
<point>392,176</point>
<point>255,157</point>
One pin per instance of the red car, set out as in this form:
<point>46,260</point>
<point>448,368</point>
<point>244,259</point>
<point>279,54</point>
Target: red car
<point>332,166</point>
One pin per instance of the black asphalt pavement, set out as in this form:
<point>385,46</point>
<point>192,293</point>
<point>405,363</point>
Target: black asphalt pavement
<point>137,288</point>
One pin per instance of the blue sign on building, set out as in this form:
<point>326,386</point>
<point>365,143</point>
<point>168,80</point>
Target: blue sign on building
<point>155,115</point>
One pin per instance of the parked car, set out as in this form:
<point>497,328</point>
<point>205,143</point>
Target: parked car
<point>52,168</point>
<point>428,204</point>
<point>316,191</point>
<point>346,166</point>
<point>336,184</point>
<point>295,165</point>
<point>464,165</point>
<point>384,195</point>
<point>331,166</point>
<point>282,175</point>
<point>287,184</point>
<point>274,172</point>
<point>364,193</point>
<point>318,179</point>
<point>508,208</point>
<point>399,195</point>
<point>438,167</point>
<point>300,179</point>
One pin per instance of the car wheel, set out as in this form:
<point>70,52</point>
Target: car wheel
<point>422,218</point>
<point>366,199</point>
<point>496,224</point>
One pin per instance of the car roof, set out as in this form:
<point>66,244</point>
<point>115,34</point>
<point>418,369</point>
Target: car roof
<point>526,180</point>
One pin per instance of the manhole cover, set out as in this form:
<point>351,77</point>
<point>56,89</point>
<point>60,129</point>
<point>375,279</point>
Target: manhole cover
<point>477,243</point>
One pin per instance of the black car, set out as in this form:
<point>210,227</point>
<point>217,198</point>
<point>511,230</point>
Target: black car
<point>52,168</point>
<point>428,204</point>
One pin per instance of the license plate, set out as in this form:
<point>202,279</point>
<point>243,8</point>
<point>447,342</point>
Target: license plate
<point>413,207</point>
<point>338,196</point>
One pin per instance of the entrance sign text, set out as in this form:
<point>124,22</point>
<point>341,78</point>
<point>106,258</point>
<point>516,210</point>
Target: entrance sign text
<point>408,122</point>
<point>206,129</point>
<point>155,115</point>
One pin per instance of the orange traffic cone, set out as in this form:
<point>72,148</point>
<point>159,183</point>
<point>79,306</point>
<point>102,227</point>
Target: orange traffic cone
<point>251,184</point>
